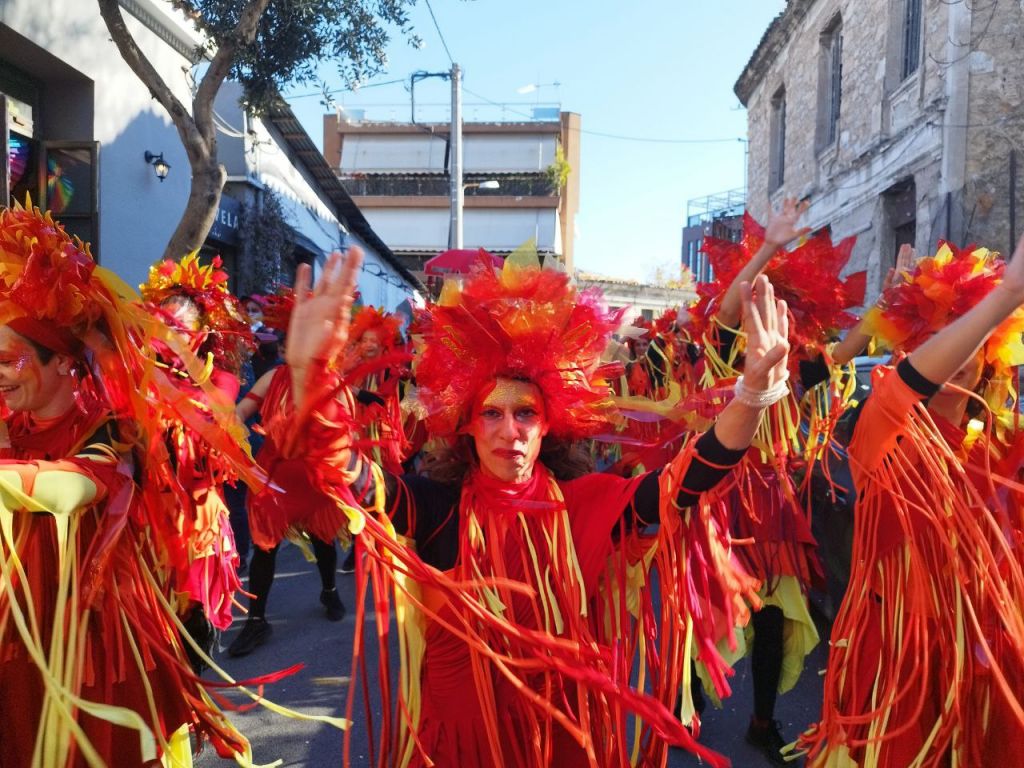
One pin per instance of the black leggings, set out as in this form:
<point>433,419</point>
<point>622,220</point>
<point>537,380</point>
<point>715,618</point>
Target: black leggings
<point>264,563</point>
<point>766,660</point>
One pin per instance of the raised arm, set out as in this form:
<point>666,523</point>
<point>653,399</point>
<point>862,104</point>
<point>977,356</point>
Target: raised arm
<point>781,229</point>
<point>765,375</point>
<point>318,330</point>
<point>945,353</point>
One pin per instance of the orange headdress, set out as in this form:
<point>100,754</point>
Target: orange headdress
<point>521,322</point>
<point>221,312</point>
<point>807,277</point>
<point>940,289</point>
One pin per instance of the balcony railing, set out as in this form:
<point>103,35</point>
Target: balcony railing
<point>437,185</point>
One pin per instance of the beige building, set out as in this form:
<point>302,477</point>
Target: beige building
<point>397,173</point>
<point>901,120</point>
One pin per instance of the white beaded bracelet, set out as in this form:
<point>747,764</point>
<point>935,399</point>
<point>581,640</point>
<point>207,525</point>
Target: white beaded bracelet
<point>761,398</point>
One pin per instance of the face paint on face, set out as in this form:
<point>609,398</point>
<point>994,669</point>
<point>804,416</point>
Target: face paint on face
<point>26,384</point>
<point>509,423</point>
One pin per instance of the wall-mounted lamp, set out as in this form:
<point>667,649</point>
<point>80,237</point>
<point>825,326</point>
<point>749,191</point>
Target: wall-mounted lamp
<point>161,166</point>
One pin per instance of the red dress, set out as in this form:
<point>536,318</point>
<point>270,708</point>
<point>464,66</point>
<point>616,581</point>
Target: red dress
<point>95,585</point>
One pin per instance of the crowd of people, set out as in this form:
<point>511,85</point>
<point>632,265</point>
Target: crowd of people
<point>576,525</point>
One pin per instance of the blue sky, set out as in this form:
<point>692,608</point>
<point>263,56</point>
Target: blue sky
<point>650,69</point>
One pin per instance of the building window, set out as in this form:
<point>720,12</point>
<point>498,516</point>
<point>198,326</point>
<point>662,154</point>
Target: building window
<point>911,53</point>
<point>777,142</point>
<point>830,83</point>
<point>647,314</point>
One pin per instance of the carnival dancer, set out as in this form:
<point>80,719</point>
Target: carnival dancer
<point>300,511</point>
<point>374,368</point>
<point>511,657</point>
<point>92,668</point>
<point>927,660</point>
<point>195,302</point>
<point>764,504</point>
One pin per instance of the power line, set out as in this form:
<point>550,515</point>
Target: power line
<point>440,33</point>
<point>620,137</point>
<point>344,89</point>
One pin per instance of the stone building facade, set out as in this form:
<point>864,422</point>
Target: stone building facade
<point>900,120</point>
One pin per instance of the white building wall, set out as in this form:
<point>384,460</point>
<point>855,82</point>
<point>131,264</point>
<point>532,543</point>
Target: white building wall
<point>496,153</point>
<point>137,212</point>
<point>490,228</point>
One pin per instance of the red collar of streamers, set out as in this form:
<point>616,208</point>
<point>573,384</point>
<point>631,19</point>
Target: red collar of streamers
<point>520,322</point>
<point>940,289</point>
<point>807,277</point>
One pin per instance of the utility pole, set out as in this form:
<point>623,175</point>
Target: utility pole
<point>457,191</point>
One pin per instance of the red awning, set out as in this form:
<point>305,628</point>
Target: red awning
<point>459,261</point>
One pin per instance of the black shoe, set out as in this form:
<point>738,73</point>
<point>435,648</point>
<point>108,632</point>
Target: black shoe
<point>766,738</point>
<point>256,632</point>
<point>331,601</point>
<point>204,633</point>
<point>349,565</point>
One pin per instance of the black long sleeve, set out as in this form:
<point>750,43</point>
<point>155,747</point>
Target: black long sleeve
<point>712,462</point>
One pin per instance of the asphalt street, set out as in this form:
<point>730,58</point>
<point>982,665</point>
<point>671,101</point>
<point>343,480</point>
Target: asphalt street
<point>303,634</point>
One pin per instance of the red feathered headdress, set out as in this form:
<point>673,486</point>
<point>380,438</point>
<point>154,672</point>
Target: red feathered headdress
<point>388,326</point>
<point>806,277</point>
<point>520,322</point>
<point>277,308</point>
<point>940,289</point>
<point>230,336</point>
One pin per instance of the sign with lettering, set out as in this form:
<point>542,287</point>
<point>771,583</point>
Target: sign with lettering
<point>225,225</point>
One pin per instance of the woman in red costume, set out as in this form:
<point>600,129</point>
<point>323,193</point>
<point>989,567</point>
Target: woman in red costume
<point>194,302</point>
<point>764,504</point>
<point>298,511</point>
<point>515,644</point>
<point>927,661</point>
<point>92,669</point>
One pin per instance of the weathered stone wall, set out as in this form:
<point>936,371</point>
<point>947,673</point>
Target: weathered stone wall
<point>996,120</point>
<point>949,127</point>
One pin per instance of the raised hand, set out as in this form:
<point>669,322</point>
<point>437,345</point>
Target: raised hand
<point>782,226</point>
<point>319,323</point>
<point>766,325</point>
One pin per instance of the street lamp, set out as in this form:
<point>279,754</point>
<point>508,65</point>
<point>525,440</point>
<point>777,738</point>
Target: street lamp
<point>160,166</point>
